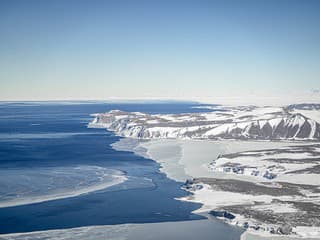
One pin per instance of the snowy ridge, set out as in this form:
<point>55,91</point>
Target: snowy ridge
<point>266,123</point>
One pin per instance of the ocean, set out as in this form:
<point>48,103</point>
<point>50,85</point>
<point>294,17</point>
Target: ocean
<point>56,173</point>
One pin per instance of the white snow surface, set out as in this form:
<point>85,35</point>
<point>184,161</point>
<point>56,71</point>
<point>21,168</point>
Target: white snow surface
<point>183,159</point>
<point>312,114</point>
<point>262,166</point>
<point>231,122</point>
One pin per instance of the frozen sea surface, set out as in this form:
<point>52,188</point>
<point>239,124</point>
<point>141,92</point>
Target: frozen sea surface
<point>38,184</point>
<point>186,230</point>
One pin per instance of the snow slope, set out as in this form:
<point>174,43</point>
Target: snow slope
<point>263,123</point>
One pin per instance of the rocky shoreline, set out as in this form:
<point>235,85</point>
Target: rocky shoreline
<point>278,207</point>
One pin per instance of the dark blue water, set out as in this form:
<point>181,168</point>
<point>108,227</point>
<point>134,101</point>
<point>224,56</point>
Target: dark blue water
<point>56,135</point>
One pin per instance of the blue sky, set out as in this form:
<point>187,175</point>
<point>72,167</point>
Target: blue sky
<point>74,49</point>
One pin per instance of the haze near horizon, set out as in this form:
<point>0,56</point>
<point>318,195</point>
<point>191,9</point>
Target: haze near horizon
<point>189,50</point>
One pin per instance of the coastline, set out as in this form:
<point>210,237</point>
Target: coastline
<point>180,164</point>
<point>188,159</point>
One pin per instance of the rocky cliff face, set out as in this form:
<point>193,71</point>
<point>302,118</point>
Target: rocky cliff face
<point>287,127</point>
<point>235,123</point>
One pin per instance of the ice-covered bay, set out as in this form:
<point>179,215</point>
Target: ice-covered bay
<point>183,159</point>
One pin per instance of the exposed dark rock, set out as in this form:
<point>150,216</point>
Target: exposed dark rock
<point>285,229</point>
<point>223,214</point>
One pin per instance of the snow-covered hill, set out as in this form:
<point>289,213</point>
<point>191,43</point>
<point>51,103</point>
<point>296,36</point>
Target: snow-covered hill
<point>265,123</point>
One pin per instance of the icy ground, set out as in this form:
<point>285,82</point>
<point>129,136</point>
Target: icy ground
<point>268,190</point>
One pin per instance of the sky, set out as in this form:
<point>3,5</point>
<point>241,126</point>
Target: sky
<point>177,49</point>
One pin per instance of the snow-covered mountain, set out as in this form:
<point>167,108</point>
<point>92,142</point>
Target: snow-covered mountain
<point>265,123</point>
